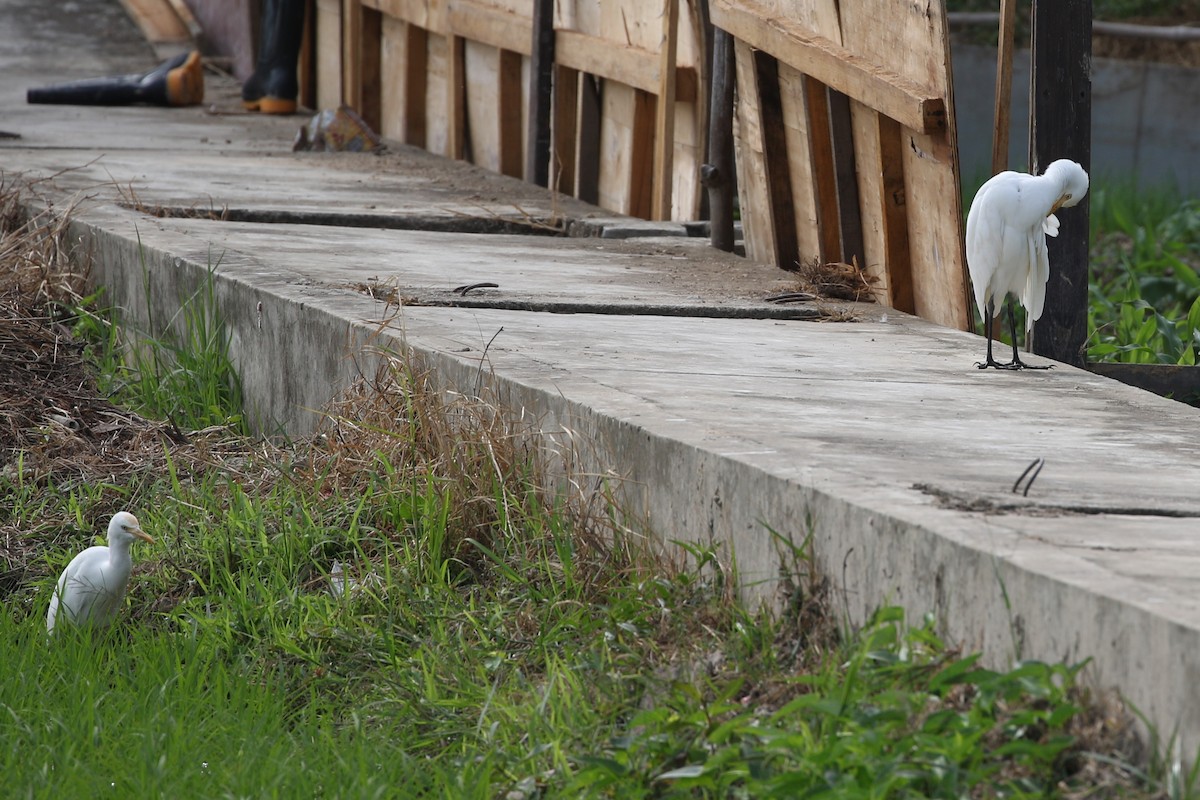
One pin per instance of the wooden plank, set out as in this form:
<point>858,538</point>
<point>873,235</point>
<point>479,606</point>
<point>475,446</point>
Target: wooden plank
<point>370,67</point>
<point>631,66</point>
<point>753,193</point>
<point>508,112</point>
<point>1061,105</point>
<point>868,159</point>
<point>664,115</point>
<point>784,249</point>
<point>1004,68</point>
<point>352,53</point>
<point>841,133</point>
<point>591,101</point>
<point>482,105</point>
<point>824,173</point>
<point>456,97</point>
<point>190,23</point>
<point>641,159</point>
<point>894,214</point>
<point>428,14</point>
<point>912,35</point>
<point>799,167</point>
<point>541,94</point>
<point>329,53</point>
<point>563,130</point>
<point>157,21</point>
<point>490,25</point>
<point>931,191</point>
<point>415,83</point>
<point>897,96</point>
<point>719,174</point>
<point>437,94</point>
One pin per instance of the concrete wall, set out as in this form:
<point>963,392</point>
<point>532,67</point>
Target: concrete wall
<point>1143,118</point>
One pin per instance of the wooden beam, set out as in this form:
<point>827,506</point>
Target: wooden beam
<point>456,101</point>
<point>897,256</point>
<point>824,173</point>
<point>1004,68</point>
<point>903,100</point>
<point>416,84</point>
<point>841,134</point>
<point>370,91</point>
<point>784,247</point>
<point>590,102</point>
<point>508,111</point>
<point>1061,104</point>
<point>430,16</point>
<point>631,66</point>
<point>641,157</point>
<point>491,26</point>
<point>565,126</point>
<point>719,173</point>
<point>664,115</point>
<point>352,53</point>
<point>541,95</point>
<point>1169,380</point>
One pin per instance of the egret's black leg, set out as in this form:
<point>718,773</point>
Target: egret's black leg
<point>989,316</point>
<point>1017,363</point>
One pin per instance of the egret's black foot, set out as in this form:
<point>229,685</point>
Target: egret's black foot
<point>994,364</point>
<point>1019,364</point>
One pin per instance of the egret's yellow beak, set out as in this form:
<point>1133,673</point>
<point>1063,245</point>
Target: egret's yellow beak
<point>141,534</point>
<point>1057,205</point>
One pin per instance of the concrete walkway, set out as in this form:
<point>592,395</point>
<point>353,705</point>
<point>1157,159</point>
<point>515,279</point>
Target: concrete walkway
<point>721,413</point>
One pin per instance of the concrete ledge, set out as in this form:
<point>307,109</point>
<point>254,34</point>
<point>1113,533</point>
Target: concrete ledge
<point>876,435</point>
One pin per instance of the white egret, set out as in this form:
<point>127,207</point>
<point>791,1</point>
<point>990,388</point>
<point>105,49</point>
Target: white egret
<point>92,587</point>
<point>1007,226</point>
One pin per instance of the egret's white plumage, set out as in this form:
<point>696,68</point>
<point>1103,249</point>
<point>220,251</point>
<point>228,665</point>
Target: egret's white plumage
<point>92,587</point>
<point>1010,218</point>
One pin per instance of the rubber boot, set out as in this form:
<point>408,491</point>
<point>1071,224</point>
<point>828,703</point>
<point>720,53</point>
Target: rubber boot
<point>273,87</point>
<point>177,82</point>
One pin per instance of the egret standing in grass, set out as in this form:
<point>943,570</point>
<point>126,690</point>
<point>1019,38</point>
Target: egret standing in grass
<point>92,587</point>
<point>1007,226</point>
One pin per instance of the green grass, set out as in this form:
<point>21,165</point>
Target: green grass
<point>488,640</point>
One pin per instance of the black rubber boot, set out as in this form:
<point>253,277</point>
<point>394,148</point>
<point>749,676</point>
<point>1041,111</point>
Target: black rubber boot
<point>177,82</point>
<point>273,87</point>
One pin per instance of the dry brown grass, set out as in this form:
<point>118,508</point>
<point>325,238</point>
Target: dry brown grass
<point>836,280</point>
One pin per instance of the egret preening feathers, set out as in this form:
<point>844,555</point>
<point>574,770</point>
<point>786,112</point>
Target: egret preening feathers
<point>1010,218</point>
<point>92,587</point>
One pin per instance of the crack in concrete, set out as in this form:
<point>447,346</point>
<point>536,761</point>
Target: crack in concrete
<point>962,501</point>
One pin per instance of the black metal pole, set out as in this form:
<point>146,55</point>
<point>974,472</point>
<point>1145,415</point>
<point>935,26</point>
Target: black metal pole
<point>1061,127</point>
<point>541,84</point>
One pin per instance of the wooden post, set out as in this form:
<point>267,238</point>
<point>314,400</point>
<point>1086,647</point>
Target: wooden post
<point>1061,127</point>
<point>370,67</point>
<point>664,115</point>
<point>541,85</point>
<point>508,93</point>
<point>588,174</point>
<point>841,134</point>
<point>719,174</point>
<point>566,119</point>
<point>1004,64</point>
<point>456,102</point>
<point>785,250</point>
<point>824,172</point>
<point>416,87</point>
